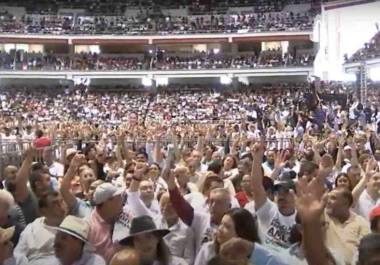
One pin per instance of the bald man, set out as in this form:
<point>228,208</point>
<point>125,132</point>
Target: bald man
<point>126,256</point>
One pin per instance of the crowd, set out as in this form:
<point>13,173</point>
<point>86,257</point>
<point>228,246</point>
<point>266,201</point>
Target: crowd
<point>371,50</point>
<point>102,62</point>
<point>145,24</point>
<point>118,6</point>
<point>278,175</point>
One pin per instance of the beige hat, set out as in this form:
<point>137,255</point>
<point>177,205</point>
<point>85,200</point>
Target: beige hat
<point>76,227</point>
<point>70,151</point>
<point>6,234</point>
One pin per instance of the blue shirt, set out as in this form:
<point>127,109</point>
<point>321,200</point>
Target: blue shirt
<point>263,256</point>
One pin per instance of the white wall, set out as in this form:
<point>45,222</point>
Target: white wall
<point>343,31</point>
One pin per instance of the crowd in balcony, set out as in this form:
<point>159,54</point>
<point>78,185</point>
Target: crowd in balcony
<point>115,25</point>
<point>101,62</point>
<point>371,50</point>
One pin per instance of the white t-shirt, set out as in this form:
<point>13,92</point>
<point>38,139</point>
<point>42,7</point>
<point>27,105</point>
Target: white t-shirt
<point>365,205</point>
<point>274,228</point>
<point>37,243</point>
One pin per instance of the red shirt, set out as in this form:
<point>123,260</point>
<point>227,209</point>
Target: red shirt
<point>42,142</point>
<point>242,198</point>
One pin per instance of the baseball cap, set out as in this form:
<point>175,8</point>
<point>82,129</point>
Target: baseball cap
<point>106,191</point>
<point>284,184</point>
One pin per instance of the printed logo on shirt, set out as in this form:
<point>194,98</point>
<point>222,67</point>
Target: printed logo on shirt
<point>278,234</point>
<point>208,235</point>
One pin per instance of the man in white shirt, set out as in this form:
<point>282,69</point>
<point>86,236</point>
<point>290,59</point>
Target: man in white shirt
<point>55,169</point>
<point>277,218</point>
<point>71,245</point>
<point>37,240</point>
<point>369,197</point>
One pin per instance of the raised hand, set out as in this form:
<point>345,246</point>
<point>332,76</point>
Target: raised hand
<point>236,250</point>
<point>280,159</point>
<point>140,170</point>
<point>78,160</point>
<point>310,199</point>
<point>371,167</point>
<point>257,149</point>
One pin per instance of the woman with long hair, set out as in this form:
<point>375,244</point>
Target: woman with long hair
<point>148,242</point>
<point>237,222</point>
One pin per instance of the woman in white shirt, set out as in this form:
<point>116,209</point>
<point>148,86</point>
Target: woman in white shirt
<point>237,222</point>
<point>230,170</point>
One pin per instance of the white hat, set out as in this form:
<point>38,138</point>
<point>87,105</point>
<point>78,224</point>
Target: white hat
<point>70,151</point>
<point>76,227</point>
<point>106,191</point>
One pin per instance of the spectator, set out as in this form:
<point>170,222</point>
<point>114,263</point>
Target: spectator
<point>145,236</point>
<point>109,202</point>
<point>71,245</point>
<point>41,251</point>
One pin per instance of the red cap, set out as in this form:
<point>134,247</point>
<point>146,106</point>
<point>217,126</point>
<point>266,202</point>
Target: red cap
<point>374,213</point>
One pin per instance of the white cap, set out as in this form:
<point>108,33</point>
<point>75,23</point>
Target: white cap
<point>70,151</point>
<point>106,191</point>
<point>347,147</point>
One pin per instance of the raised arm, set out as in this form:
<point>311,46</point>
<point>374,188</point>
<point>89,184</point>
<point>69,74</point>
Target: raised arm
<point>65,187</point>
<point>259,194</point>
<point>136,204</point>
<point>339,157</point>
<point>360,187</point>
<point>22,175</point>
<point>279,164</point>
<point>310,203</point>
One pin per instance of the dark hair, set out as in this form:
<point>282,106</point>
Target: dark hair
<point>163,252</point>
<point>209,180</point>
<point>295,234</point>
<point>307,166</point>
<point>128,166</point>
<point>215,166</point>
<point>43,201</point>
<point>141,151</point>
<point>212,147</point>
<point>341,175</point>
<point>37,166</point>
<point>369,248</point>
<point>233,158</point>
<point>373,224</point>
<point>35,176</point>
<point>347,194</point>
<point>39,133</point>
<point>157,165</point>
<point>245,224</point>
